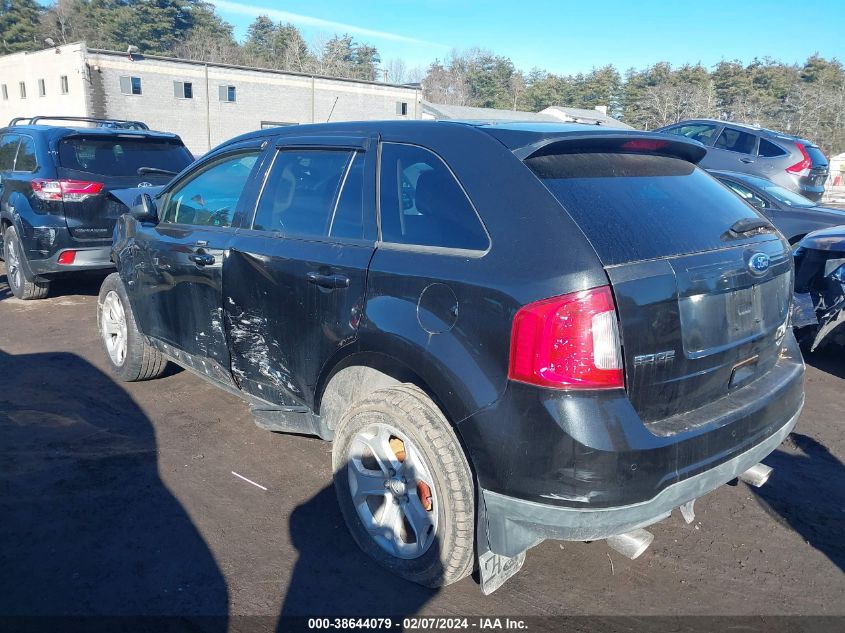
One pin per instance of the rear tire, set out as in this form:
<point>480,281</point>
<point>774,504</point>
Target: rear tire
<point>23,284</point>
<point>419,521</point>
<point>131,358</point>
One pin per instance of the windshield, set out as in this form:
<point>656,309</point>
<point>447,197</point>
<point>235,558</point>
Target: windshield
<point>118,156</point>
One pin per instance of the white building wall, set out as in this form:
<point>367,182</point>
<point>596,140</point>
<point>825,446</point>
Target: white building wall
<point>261,97</point>
<point>49,65</point>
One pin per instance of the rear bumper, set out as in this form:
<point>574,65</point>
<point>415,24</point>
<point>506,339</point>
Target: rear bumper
<point>582,466</point>
<point>514,525</point>
<point>89,258</point>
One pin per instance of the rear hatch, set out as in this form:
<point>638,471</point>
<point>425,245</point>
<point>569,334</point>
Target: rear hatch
<point>702,308</point>
<point>94,164</point>
<point>820,167</point>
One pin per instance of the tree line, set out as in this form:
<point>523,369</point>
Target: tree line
<point>803,99</point>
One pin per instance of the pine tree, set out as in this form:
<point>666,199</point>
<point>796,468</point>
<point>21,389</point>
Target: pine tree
<point>19,21</point>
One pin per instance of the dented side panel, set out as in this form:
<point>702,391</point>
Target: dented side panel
<point>282,326</point>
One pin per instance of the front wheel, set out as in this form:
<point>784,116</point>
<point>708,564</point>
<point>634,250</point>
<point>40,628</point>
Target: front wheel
<point>130,357</point>
<point>404,486</point>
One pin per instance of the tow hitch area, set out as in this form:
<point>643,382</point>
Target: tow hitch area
<point>757,475</point>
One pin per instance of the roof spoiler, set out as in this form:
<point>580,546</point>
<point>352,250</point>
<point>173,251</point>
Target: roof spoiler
<point>119,124</point>
<point>615,141</point>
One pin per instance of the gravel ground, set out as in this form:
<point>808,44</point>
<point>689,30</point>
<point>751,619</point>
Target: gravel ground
<point>120,499</point>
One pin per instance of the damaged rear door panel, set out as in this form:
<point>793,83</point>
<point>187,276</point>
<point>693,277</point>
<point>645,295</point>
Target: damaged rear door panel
<point>294,278</point>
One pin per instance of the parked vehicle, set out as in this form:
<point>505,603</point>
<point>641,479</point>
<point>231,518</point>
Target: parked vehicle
<point>790,212</point>
<point>510,332</point>
<point>794,163</point>
<point>56,214</point>
<point>820,288</point>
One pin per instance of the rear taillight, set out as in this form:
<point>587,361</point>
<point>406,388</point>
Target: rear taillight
<point>65,190</point>
<point>804,166</point>
<point>67,257</point>
<point>568,342</point>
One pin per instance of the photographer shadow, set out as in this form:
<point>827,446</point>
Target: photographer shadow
<point>88,527</point>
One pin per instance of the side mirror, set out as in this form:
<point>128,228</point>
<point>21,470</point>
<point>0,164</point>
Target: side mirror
<point>144,209</point>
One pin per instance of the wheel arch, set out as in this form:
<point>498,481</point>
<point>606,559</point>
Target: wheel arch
<point>357,375</point>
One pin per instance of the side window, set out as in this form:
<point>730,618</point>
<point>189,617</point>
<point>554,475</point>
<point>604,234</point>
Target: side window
<point>26,160</point>
<point>769,149</point>
<point>299,195</point>
<point>701,132</point>
<point>8,149</point>
<point>746,194</point>
<point>348,217</point>
<point>422,204</point>
<point>209,196</point>
<point>736,141</point>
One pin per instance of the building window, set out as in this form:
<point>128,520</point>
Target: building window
<point>130,85</point>
<point>183,90</point>
<point>42,88</point>
<point>63,84</point>
<point>402,108</point>
<point>228,93</point>
<point>5,92</point>
<point>23,89</point>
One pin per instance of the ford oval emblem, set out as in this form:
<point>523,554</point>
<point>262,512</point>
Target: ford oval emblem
<point>758,263</point>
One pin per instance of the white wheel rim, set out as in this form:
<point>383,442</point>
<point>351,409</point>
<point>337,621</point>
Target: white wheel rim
<point>113,326</point>
<point>386,492</point>
<point>13,266</point>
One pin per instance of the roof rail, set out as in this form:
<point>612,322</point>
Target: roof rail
<point>113,123</point>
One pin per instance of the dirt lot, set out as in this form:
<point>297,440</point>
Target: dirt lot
<point>120,499</point>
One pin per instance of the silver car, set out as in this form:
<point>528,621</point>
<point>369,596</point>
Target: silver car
<point>789,161</point>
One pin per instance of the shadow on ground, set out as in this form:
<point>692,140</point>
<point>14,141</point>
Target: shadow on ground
<point>87,284</point>
<point>806,493</point>
<point>87,526</point>
<point>332,577</point>
<point>829,358</point>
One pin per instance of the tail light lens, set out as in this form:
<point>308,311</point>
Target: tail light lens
<point>67,257</point>
<point>65,190</point>
<point>801,168</point>
<point>568,342</point>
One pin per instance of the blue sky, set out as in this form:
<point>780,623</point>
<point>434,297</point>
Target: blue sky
<point>569,37</point>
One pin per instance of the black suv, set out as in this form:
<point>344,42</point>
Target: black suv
<point>511,332</point>
<point>56,214</point>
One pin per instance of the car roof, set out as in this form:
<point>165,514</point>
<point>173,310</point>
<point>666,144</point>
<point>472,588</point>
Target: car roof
<point>517,136</point>
<point>59,131</point>
<point>763,131</point>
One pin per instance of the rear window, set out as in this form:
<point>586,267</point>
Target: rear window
<point>816,155</point>
<point>770,150</point>
<point>121,156</point>
<point>639,206</point>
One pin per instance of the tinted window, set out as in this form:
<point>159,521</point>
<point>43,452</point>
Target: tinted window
<point>746,194</point>
<point>422,203</point>
<point>769,149</point>
<point>816,155</point>
<point>121,156</point>
<point>209,196</point>
<point>26,160</point>
<point>348,219</point>
<point>8,149</point>
<point>300,192</point>
<point>640,206</point>
<point>736,141</point>
<point>701,132</point>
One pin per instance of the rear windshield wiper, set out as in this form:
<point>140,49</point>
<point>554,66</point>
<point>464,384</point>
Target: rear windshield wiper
<point>155,170</point>
<point>749,226</point>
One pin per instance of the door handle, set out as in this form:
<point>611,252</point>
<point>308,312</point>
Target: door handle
<point>746,160</point>
<point>201,259</point>
<point>328,281</point>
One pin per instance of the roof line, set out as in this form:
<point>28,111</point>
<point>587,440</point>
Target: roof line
<point>275,71</point>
